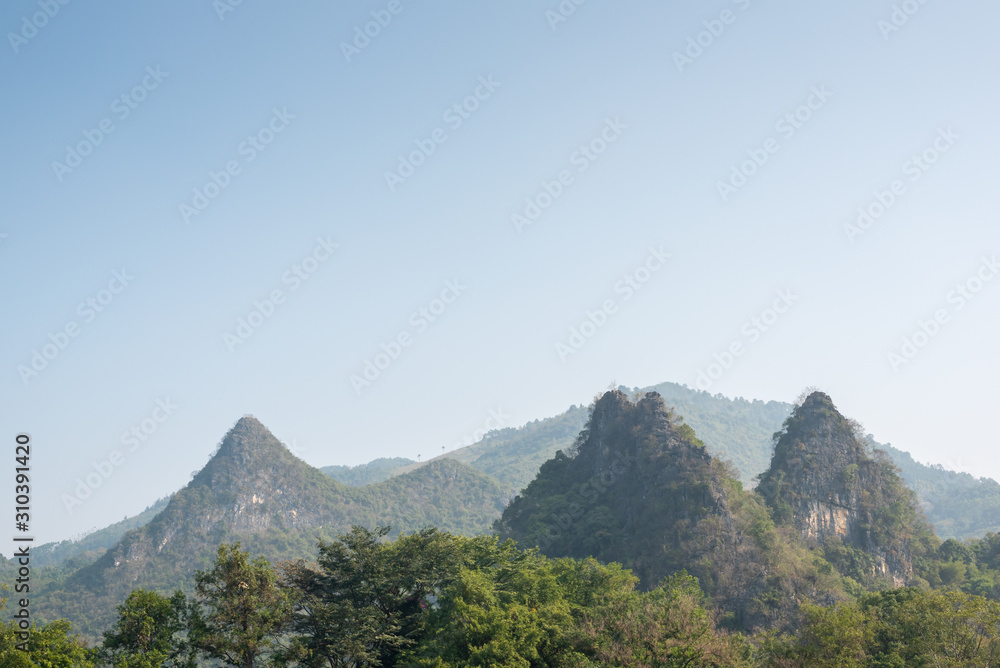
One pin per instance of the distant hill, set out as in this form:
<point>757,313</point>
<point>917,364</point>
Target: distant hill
<point>373,472</point>
<point>93,545</point>
<point>957,504</point>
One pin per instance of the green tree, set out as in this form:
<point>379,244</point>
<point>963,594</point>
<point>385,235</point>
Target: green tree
<point>668,627</point>
<point>367,600</point>
<point>505,608</point>
<point>902,628</point>
<point>949,629</point>
<point>148,633</point>
<point>240,612</point>
<point>50,646</point>
<point>834,637</point>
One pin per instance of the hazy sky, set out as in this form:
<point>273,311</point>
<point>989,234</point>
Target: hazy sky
<point>213,209</point>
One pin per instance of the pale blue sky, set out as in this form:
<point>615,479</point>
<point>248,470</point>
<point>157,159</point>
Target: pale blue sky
<point>676,134</point>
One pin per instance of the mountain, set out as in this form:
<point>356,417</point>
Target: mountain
<point>826,482</point>
<point>373,472</point>
<point>739,431</point>
<point>639,488</point>
<point>255,491</point>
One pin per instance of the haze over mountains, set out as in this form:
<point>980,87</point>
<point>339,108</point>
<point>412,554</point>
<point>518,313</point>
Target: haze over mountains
<point>254,490</point>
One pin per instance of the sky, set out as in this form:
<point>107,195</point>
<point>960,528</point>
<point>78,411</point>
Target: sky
<point>377,225</point>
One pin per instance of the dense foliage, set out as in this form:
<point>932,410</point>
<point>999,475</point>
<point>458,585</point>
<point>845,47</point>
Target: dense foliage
<point>48,646</point>
<point>147,633</point>
<point>902,628</point>
<point>432,599</point>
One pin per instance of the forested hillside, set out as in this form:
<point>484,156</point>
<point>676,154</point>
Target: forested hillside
<point>255,491</point>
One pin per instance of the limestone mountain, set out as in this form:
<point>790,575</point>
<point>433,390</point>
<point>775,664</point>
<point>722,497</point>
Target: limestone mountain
<point>255,491</point>
<point>736,430</point>
<point>841,494</point>
<point>639,488</point>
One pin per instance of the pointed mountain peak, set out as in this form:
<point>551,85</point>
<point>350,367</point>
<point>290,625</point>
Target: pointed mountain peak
<point>249,441</point>
<point>813,449</point>
<point>614,418</point>
<point>817,401</point>
<point>635,470</point>
<point>816,429</point>
<point>610,407</point>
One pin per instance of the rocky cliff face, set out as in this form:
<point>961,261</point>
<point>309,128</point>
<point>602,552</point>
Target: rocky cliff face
<point>824,481</point>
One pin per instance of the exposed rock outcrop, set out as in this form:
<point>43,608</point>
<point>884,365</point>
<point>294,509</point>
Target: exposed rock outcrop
<point>827,483</point>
